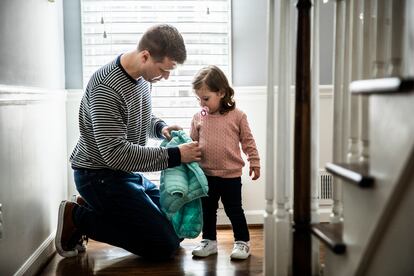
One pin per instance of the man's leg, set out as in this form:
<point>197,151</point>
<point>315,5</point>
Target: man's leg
<point>123,214</point>
<point>151,190</point>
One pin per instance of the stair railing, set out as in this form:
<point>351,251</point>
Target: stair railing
<point>404,180</point>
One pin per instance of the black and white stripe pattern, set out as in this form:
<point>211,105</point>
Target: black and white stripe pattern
<point>115,122</point>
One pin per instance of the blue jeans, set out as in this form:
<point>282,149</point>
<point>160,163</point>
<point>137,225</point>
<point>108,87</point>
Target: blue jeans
<point>124,211</point>
<point>229,190</point>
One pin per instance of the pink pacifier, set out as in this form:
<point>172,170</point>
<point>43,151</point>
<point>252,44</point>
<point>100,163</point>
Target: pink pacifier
<point>204,111</point>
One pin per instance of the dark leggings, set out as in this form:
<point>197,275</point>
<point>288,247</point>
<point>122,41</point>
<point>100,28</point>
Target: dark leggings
<point>229,190</point>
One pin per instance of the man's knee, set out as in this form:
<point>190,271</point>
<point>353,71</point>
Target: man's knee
<point>163,250</point>
<point>171,247</point>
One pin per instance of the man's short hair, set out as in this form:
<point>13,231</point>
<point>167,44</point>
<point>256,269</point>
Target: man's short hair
<point>163,41</point>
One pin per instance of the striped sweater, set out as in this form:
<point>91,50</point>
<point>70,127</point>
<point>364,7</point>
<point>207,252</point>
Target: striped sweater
<point>115,122</point>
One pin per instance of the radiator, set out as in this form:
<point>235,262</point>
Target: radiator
<point>325,185</point>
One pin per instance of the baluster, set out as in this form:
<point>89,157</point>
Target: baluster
<point>408,51</point>
<point>349,13</point>
<point>336,215</point>
<point>383,38</point>
<point>367,73</point>
<point>283,143</point>
<point>356,73</point>
<point>315,189</point>
<point>269,220</point>
<point>395,68</point>
<point>301,255</point>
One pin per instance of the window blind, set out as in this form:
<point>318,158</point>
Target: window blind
<point>111,27</point>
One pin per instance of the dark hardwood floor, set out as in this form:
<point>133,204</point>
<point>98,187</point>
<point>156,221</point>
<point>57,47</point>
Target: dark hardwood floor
<point>103,259</point>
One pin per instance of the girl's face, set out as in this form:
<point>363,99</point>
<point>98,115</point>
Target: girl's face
<point>209,99</point>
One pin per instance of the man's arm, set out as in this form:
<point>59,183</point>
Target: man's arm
<point>109,133</point>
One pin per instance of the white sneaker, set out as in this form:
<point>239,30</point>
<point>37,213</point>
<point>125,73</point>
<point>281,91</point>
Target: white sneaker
<point>205,248</point>
<point>241,250</point>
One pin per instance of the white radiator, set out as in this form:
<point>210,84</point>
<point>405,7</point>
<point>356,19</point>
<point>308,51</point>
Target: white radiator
<point>325,186</point>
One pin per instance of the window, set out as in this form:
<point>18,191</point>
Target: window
<point>111,27</point>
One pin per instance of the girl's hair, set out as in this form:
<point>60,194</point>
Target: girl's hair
<point>216,81</point>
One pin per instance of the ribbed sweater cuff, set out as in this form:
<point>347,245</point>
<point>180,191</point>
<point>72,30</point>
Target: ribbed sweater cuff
<point>254,162</point>
<point>174,157</point>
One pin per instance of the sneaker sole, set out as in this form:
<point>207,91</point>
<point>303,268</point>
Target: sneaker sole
<point>203,255</point>
<point>239,257</point>
<point>58,242</point>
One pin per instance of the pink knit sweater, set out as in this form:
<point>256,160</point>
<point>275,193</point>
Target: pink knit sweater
<point>219,137</point>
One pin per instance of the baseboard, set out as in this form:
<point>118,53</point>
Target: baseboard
<point>39,258</point>
<point>325,213</point>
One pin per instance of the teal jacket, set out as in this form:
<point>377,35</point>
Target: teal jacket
<point>181,190</point>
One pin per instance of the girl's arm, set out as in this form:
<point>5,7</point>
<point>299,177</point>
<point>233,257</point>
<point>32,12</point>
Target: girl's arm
<point>249,147</point>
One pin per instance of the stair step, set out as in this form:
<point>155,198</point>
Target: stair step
<point>385,85</point>
<point>331,235</point>
<point>354,173</point>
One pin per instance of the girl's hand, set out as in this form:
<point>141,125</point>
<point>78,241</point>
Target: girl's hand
<point>166,131</point>
<point>255,171</point>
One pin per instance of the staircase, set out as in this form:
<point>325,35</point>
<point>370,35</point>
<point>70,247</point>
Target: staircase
<point>376,235</point>
<point>371,232</point>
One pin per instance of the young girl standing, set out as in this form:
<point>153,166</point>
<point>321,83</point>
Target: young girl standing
<point>220,128</point>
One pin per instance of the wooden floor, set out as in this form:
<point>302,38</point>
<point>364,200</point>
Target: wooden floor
<point>103,259</point>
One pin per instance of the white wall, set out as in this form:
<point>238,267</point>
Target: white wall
<point>32,50</point>
<point>249,60</point>
<point>32,172</point>
<point>72,110</point>
<point>32,130</point>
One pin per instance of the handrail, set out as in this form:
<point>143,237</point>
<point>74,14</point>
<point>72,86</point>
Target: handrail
<point>352,173</point>
<point>330,235</point>
<point>384,85</point>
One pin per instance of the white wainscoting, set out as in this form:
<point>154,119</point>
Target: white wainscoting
<point>72,110</point>
<point>33,174</point>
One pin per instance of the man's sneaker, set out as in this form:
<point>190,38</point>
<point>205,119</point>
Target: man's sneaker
<point>67,235</point>
<point>82,244</point>
<point>241,250</point>
<point>205,248</point>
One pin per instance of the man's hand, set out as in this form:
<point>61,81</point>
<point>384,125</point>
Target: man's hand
<point>166,131</point>
<point>255,171</point>
<point>190,152</point>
